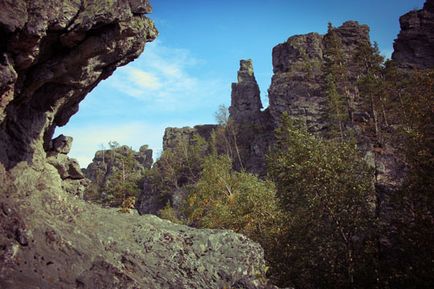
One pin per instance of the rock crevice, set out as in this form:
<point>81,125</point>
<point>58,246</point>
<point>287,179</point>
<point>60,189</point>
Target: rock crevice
<point>52,57</point>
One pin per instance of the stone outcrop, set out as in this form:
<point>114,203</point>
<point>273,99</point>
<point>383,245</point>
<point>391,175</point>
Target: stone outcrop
<point>297,85</point>
<point>245,99</point>
<point>250,129</point>
<point>414,47</point>
<point>51,55</point>
<point>73,179</point>
<point>298,88</point>
<point>151,200</point>
<point>108,162</point>
<point>173,136</point>
<point>50,239</point>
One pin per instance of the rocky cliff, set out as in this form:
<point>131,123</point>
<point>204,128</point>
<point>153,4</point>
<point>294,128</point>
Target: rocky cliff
<point>173,135</point>
<point>51,56</point>
<point>298,88</point>
<point>414,47</point>
<point>297,85</point>
<point>245,98</point>
<point>153,198</point>
<point>118,160</point>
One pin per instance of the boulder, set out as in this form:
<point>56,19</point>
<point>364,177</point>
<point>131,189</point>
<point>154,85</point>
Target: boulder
<point>61,144</point>
<point>50,239</point>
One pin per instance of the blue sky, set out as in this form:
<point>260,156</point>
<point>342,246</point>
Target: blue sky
<point>183,76</point>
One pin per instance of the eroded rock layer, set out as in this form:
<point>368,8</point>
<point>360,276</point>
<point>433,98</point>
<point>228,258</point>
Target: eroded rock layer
<point>52,53</point>
<point>51,239</point>
<point>414,47</point>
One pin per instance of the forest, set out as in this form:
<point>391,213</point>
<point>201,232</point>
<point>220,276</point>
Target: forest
<point>318,211</point>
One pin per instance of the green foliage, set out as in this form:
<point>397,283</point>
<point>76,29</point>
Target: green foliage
<point>128,204</point>
<point>409,252</point>
<point>225,199</point>
<point>326,191</point>
<point>125,181</point>
<point>224,139</point>
<point>177,168</point>
<point>118,177</point>
<point>370,85</point>
<point>335,79</point>
<point>169,213</point>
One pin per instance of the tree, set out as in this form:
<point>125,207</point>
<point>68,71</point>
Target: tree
<point>370,83</point>
<point>177,168</point>
<point>327,193</point>
<point>239,201</point>
<point>124,180</point>
<point>227,134</point>
<point>335,79</point>
<point>409,226</point>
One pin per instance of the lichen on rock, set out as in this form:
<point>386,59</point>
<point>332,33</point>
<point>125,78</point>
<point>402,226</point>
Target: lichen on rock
<point>51,56</point>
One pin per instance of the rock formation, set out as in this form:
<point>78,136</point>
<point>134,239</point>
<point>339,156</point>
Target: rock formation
<point>51,56</point>
<point>107,162</point>
<point>414,47</point>
<point>251,128</point>
<point>173,135</point>
<point>73,179</point>
<point>49,239</point>
<point>151,200</point>
<point>297,84</point>
<point>245,100</point>
<point>297,88</point>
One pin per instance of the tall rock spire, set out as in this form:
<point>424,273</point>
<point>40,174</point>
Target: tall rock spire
<point>245,99</point>
<point>414,47</point>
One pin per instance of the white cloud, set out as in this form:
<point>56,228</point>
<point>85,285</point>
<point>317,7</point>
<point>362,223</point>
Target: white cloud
<point>172,90</point>
<point>163,80</point>
<point>143,79</point>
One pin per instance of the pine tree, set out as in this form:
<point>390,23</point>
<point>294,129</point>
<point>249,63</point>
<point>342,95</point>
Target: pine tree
<point>335,81</point>
<point>370,84</point>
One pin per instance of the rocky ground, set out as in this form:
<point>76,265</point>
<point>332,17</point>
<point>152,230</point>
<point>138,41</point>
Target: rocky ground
<point>51,239</point>
<point>51,56</point>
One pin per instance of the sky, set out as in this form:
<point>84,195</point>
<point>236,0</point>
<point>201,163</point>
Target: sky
<point>182,77</point>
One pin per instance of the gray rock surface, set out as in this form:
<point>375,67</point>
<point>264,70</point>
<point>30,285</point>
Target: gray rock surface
<point>414,47</point>
<point>108,162</point>
<point>61,144</point>
<point>298,88</point>
<point>50,239</point>
<point>73,179</point>
<point>66,167</point>
<point>245,99</point>
<point>251,130</point>
<point>297,85</point>
<point>173,136</point>
<point>52,55</point>
<point>150,199</point>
